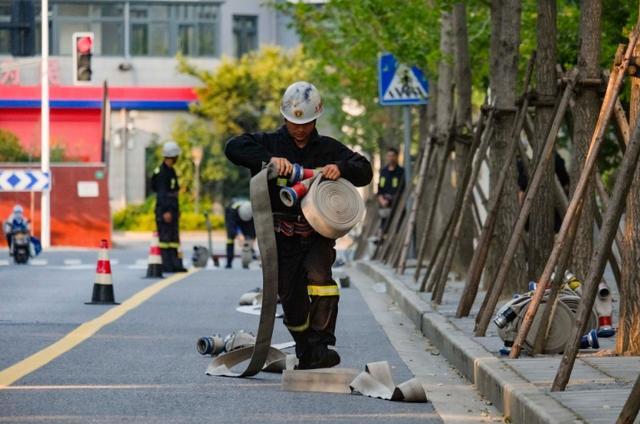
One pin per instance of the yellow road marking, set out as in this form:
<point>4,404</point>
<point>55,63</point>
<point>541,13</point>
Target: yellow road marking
<point>39,359</point>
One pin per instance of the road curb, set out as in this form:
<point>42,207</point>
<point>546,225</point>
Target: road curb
<point>517,398</point>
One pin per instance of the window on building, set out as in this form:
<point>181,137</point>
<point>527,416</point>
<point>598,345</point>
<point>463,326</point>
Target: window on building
<point>245,34</point>
<point>17,27</point>
<point>153,28</point>
<point>5,33</point>
<point>150,25</point>
<point>105,20</point>
<point>167,29</point>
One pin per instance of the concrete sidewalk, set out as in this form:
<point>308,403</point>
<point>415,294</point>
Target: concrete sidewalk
<point>520,387</point>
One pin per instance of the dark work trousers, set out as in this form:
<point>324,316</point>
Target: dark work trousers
<point>308,294</point>
<point>233,225</point>
<point>169,238</point>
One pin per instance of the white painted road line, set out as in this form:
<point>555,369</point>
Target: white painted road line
<point>75,267</point>
<point>140,264</point>
<point>39,262</point>
<point>4,262</point>
<point>73,261</point>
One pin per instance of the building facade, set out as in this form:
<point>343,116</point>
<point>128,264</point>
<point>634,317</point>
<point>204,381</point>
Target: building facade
<point>134,50</point>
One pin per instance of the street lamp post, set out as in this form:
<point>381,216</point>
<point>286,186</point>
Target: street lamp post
<point>196,156</point>
<point>45,205</point>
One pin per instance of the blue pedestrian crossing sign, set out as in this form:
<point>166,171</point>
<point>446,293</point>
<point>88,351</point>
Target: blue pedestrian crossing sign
<point>399,84</point>
<point>24,180</point>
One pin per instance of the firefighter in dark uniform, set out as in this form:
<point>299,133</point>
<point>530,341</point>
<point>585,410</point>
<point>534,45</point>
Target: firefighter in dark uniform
<point>390,184</point>
<point>391,179</point>
<point>165,183</point>
<point>238,217</point>
<point>307,291</point>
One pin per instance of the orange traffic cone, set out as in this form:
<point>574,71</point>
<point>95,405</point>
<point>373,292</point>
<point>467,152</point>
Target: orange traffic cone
<point>154,263</point>
<point>103,287</point>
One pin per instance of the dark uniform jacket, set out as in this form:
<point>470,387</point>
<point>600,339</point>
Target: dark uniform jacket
<point>252,150</point>
<point>165,183</point>
<point>390,181</point>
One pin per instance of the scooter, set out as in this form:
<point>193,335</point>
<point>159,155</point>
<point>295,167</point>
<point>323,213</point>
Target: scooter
<point>20,246</point>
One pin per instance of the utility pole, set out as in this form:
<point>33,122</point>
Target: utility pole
<point>196,156</point>
<point>45,204</point>
<point>406,117</point>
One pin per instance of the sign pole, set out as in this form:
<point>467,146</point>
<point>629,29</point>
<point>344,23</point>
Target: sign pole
<point>406,116</point>
<point>45,204</point>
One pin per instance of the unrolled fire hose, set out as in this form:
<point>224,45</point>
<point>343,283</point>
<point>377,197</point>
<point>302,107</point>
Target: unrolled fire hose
<point>332,208</point>
<point>261,354</point>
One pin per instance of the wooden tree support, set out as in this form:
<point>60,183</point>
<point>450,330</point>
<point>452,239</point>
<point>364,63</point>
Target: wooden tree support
<point>417,196</point>
<point>604,199</point>
<point>532,189</point>
<point>479,258</point>
<point>476,215</point>
<point>371,222</point>
<point>408,223</point>
<point>436,255</point>
<point>431,214</point>
<point>615,81</point>
<point>631,406</point>
<point>598,261</point>
<point>464,198</point>
<point>391,227</point>
<point>546,320</point>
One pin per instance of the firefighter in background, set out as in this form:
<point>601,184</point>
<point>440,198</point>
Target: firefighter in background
<point>307,291</point>
<point>238,217</point>
<point>390,184</point>
<point>165,183</point>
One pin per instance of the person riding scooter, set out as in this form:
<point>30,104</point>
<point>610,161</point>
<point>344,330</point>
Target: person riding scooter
<point>18,234</point>
<point>15,222</point>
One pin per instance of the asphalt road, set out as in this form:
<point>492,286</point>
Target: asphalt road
<point>143,367</point>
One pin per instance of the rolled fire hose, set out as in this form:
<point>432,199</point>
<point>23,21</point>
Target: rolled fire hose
<point>332,208</point>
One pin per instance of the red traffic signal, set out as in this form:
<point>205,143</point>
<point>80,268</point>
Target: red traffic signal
<point>84,44</point>
<point>82,53</point>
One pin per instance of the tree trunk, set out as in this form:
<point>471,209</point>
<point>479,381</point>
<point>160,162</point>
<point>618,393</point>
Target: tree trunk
<point>427,195</point>
<point>585,115</point>
<point>628,337</point>
<point>444,100</point>
<point>541,220</point>
<point>505,40</point>
<point>464,251</point>
<point>444,108</point>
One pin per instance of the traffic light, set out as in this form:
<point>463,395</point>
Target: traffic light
<point>82,52</point>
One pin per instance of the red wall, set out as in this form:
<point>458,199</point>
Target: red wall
<point>78,130</point>
<point>75,221</point>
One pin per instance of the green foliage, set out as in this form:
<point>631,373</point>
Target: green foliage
<point>12,151</point>
<point>141,217</point>
<point>240,95</point>
<point>343,38</point>
<point>10,148</point>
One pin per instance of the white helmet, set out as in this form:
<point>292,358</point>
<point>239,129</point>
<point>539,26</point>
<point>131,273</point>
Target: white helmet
<point>170,149</point>
<point>18,209</point>
<point>301,103</point>
<point>244,211</point>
